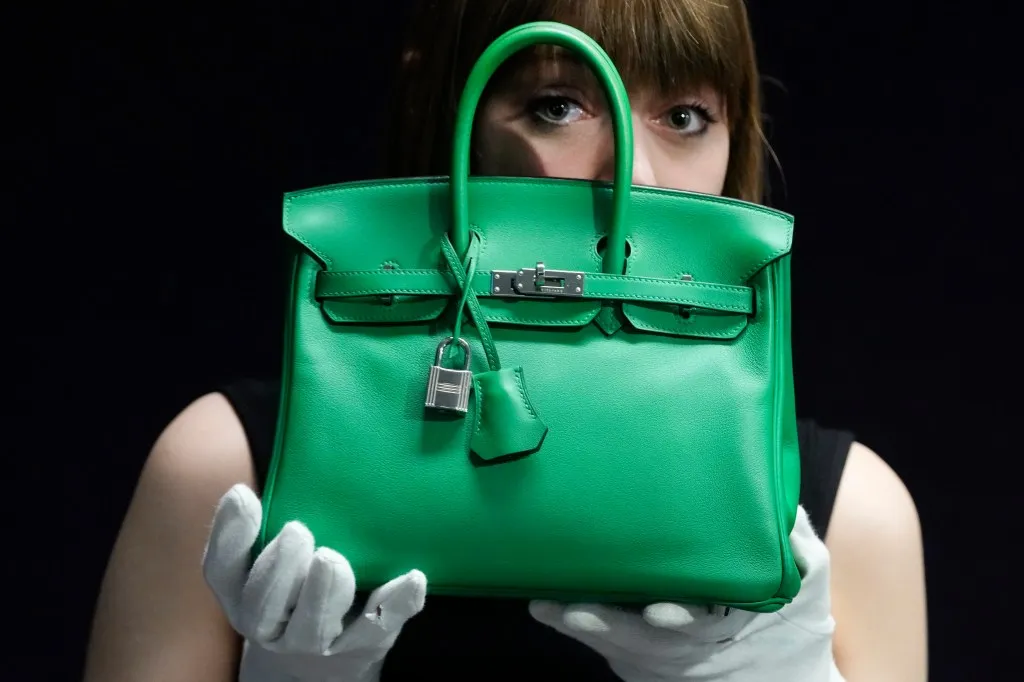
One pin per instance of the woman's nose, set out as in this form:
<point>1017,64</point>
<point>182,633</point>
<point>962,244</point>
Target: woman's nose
<point>643,170</point>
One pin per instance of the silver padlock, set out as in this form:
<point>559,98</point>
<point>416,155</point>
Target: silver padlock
<point>448,389</point>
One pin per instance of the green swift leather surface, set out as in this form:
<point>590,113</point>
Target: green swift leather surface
<point>634,441</point>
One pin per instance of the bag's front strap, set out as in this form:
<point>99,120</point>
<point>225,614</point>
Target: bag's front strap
<point>469,298</point>
<point>707,295</point>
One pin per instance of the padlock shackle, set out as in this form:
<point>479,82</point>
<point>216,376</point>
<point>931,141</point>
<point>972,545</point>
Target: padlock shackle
<point>578,42</point>
<point>439,355</point>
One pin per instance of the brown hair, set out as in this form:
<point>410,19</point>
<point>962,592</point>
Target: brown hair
<point>663,43</point>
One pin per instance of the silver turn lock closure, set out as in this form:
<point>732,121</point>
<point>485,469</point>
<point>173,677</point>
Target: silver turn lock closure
<point>538,282</point>
<point>448,389</point>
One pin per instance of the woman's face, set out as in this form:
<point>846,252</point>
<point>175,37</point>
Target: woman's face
<point>549,119</point>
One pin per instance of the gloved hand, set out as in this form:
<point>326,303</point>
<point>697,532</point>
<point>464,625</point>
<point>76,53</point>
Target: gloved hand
<point>291,605</point>
<point>670,642</point>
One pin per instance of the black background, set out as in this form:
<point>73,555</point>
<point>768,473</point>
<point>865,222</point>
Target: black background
<point>151,146</point>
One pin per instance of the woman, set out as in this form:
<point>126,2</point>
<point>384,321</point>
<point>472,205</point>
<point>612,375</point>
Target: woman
<point>690,69</point>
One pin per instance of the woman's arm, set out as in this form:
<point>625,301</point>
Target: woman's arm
<point>878,585</point>
<point>156,620</point>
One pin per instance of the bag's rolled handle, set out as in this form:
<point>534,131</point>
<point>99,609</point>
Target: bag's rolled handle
<point>509,43</point>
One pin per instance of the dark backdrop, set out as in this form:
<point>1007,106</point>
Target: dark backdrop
<point>152,144</point>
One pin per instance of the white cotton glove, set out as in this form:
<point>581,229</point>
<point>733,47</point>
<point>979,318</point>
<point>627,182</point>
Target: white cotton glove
<point>291,605</point>
<point>671,642</point>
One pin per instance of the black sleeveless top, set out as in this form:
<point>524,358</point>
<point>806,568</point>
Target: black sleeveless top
<point>484,638</point>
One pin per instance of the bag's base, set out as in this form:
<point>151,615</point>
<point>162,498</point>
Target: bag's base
<point>630,600</point>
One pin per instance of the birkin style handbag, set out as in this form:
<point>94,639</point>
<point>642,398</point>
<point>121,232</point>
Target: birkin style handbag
<point>541,388</point>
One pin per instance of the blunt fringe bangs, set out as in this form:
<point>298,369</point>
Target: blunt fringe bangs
<point>670,45</point>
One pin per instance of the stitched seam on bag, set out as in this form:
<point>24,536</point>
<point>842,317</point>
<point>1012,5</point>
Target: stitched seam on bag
<point>604,277</point>
<point>422,317</point>
<point>579,320</point>
<point>732,333</point>
<point>346,293</point>
<point>352,293</point>
<point>682,284</point>
<point>522,394</point>
<point>689,332</point>
<point>384,314</point>
<point>614,296</point>
<point>483,242</point>
<point>385,273</point>
<point>478,401</point>
<point>680,301</point>
<point>393,312</point>
<point>337,319</point>
<point>598,276</point>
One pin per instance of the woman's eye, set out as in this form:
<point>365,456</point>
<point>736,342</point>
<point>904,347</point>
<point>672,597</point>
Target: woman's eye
<point>555,110</point>
<point>688,120</point>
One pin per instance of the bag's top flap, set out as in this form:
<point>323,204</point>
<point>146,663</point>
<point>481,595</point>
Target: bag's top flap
<point>399,223</point>
<point>359,229</point>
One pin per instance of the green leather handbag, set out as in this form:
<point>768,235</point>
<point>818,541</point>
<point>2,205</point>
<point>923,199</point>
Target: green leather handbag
<point>541,388</point>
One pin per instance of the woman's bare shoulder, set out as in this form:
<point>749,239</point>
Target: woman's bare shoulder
<point>156,617</point>
<point>879,596</point>
<point>203,447</point>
